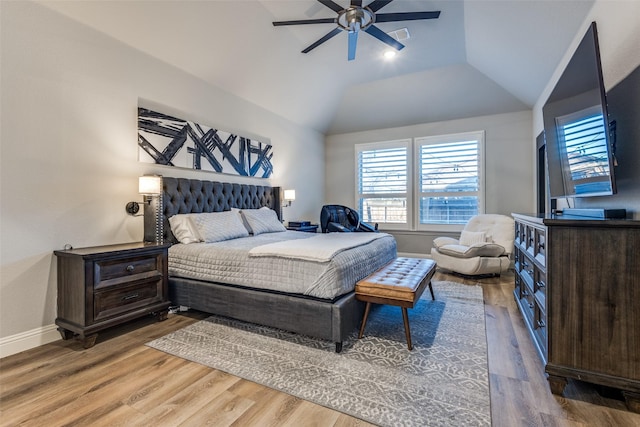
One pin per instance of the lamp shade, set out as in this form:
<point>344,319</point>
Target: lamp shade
<point>150,185</point>
<point>289,195</point>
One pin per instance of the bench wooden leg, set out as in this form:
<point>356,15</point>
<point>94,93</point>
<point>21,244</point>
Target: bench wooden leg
<point>433,297</point>
<point>407,331</point>
<point>364,319</point>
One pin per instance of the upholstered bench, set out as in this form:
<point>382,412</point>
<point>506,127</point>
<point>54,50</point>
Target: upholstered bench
<point>399,283</point>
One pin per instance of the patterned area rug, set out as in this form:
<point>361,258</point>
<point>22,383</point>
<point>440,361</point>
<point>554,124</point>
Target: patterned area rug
<point>442,382</point>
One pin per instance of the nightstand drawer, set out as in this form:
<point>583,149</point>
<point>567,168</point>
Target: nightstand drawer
<point>115,301</point>
<point>133,268</point>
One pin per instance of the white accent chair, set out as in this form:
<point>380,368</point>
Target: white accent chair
<point>484,247</point>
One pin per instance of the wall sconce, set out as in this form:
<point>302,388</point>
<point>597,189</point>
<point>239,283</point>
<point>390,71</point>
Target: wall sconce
<point>148,186</point>
<point>289,196</point>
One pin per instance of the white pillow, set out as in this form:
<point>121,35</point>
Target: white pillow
<point>480,249</point>
<point>470,238</point>
<point>218,226</point>
<point>183,229</point>
<point>244,220</point>
<point>263,220</point>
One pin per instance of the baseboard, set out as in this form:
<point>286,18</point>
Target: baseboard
<point>411,255</point>
<point>28,340</point>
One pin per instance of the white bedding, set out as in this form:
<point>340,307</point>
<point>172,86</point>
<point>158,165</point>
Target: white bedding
<point>319,247</point>
<point>229,262</point>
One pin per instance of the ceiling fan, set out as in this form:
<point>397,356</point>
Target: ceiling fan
<point>355,18</point>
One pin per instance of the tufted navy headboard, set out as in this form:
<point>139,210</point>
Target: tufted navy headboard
<point>182,195</point>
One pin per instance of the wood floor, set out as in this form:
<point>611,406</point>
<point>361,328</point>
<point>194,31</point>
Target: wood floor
<point>120,381</point>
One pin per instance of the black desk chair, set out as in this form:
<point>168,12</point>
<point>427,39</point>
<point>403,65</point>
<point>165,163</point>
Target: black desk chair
<point>343,219</point>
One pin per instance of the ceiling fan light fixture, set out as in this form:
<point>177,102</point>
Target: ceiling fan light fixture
<point>355,17</point>
<point>389,54</point>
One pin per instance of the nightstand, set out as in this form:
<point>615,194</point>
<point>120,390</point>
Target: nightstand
<point>103,286</point>
<point>311,228</point>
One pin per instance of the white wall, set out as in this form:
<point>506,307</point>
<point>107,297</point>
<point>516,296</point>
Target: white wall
<point>618,25</point>
<point>69,149</point>
<point>508,154</point>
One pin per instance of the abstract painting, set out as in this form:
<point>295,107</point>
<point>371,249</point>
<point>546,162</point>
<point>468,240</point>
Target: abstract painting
<point>167,140</point>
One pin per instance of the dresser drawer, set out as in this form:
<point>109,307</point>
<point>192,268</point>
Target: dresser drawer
<point>527,303</point>
<point>540,328</point>
<point>117,271</point>
<point>540,285</point>
<point>118,300</point>
<point>540,250</point>
<point>526,266</point>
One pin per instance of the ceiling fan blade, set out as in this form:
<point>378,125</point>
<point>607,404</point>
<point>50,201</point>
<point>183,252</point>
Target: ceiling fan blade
<point>406,16</point>
<point>327,36</point>
<point>353,41</point>
<point>306,21</point>
<point>378,4</point>
<point>384,37</point>
<point>356,3</point>
<point>331,5</point>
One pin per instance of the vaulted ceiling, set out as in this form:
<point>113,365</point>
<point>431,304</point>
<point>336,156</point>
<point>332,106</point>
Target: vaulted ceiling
<point>480,57</point>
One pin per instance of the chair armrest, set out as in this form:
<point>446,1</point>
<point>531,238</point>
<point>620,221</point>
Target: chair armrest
<point>439,242</point>
<point>334,226</point>
<point>364,226</point>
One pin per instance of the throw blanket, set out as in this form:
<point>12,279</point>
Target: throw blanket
<point>320,248</point>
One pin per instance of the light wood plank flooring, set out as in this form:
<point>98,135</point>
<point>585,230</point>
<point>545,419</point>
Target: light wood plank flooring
<point>120,381</point>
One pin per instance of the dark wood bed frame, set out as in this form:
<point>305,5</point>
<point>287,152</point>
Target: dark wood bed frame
<point>332,320</point>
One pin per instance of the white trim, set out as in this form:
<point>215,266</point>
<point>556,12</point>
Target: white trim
<point>412,255</point>
<point>27,340</point>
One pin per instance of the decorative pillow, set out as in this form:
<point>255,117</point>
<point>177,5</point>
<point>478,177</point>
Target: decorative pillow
<point>244,220</point>
<point>218,226</point>
<point>481,249</point>
<point>470,238</point>
<point>183,229</point>
<point>263,220</point>
<point>439,242</point>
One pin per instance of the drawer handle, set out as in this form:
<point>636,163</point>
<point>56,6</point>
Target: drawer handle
<point>525,293</point>
<point>130,268</point>
<point>530,305</point>
<point>541,324</point>
<point>541,284</point>
<point>131,296</point>
<point>530,272</point>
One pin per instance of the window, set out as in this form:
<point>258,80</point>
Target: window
<point>382,183</point>
<point>448,180</point>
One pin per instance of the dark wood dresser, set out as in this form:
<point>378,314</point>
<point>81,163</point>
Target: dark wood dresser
<point>577,285</point>
<point>102,286</point>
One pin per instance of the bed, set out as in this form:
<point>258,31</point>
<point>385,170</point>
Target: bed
<point>243,280</point>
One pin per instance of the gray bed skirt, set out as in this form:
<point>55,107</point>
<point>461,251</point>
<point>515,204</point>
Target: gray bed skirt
<point>323,319</point>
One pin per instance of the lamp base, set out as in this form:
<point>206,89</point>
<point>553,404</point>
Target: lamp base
<point>132,208</point>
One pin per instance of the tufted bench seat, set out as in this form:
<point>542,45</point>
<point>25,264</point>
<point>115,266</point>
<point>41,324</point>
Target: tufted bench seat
<point>399,283</point>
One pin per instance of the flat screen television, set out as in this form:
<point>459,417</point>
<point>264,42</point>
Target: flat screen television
<point>580,157</point>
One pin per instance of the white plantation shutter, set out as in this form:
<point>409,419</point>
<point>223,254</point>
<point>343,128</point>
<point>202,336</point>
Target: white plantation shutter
<point>449,178</point>
<point>382,182</point>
